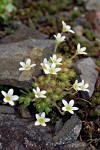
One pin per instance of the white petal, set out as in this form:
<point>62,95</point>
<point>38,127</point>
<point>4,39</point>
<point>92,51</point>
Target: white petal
<point>64,102</point>
<point>4,93</point>
<point>5,100</point>
<point>78,46</point>
<point>43,124</point>
<point>71,31</point>
<point>87,90</point>
<point>34,91</point>
<point>32,65</point>
<point>37,123</point>
<point>63,38</point>
<point>15,97</point>
<point>47,119</point>
<point>22,64</point>
<point>43,92</point>
<point>53,65</point>
<point>83,48</point>
<point>46,71</point>
<point>86,85</point>
<point>59,59</point>
<point>71,103</point>
<point>37,116</point>
<point>38,89</point>
<point>59,35</point>
<point>64,108</point>
<point>71,111</point>
<point>10,92</point>
<point>21,69</point>
<point>28,61</point>
<point>43,115</point>
<point>75,108</point>
<point>43,96</point>
<point>68,27</point>
<point>57,69</point>
<point>47,66</point>
<point>11,103</point>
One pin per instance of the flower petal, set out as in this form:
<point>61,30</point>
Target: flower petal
<point>22,64</point>
<point>71,31</point>
<point>38,89</point>
<point>57,69</point>
<point>43,115</point>
<point>64,102</point>
<point>37,116</point>
<point>47,119</point>
<point>4,93</point>
<point>75,108</point>
<point>78,46</point>
<point>21,69</point>
<point>11,103</point>
<point>71,111</point>
<point>71,103</point>
<point>28,61</point>
<point>64,108</point>
<point>32,65</point>
<point>43,92</point>
<point>43,124</point>
<point>15,97</point>
<point>37,123</point>
<point>10,92</point>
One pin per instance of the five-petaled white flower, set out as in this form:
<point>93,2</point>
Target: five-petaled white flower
<point>83,86</point>
<point>59,38</point>
<point>45,61</point>
<point>39,93</point>
<point>66,28</point>
<point>80,50</point>
<point>27,65</point>
<point>69,106</point>
<point>51,69</point>
<point>76,86</point>
<point>56,60</point>
<point>41,119</point>
<point>9,97</point>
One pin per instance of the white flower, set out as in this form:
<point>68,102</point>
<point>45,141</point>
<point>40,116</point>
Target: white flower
<point>80,50</point>
<point>76,86</point>
<point>9,97</point>
<point>41,119</point>
<point>56,60</point>
<point>27,65</point>
<point>59,38</point>
<point>66,28</point>
<point>69,107</point>
<point>39,93</point>
<point>51,69</point>
<point>83,87</point>
<point>45,61</point>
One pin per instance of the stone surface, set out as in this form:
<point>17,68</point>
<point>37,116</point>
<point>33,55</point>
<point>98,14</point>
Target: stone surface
<point>69,132</point>
<point>58,126</point>
<point>92,5</point>
<point>21,33</point>
<point>6,110</point>
<point>24,112</point>
<point>19,134</point>
<point>87,71</point>
<point>78,30</point>
<point>11,55</point>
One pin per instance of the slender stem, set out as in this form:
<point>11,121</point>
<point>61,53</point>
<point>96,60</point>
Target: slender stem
<point>58,108</point>
<point>73,56</point>
<point>84,100</point>
<point>68,89</point>
<point>56,45</point>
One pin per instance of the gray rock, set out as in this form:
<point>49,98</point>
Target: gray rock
<point>87,70</point>
<point>24,112</point>
<point>92,5</point>
<point>78,30</point>
<point>21,33</point>
<point>69,132</point>
<point>11,55</point>
<point>7,110</point>
<point>58,126</point>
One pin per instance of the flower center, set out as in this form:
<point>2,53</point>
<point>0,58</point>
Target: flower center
<point>8,98</point>
<point>27,67</point>
<point>82,87</point>
<point>41,120</point>
<point>75,86</point>
<point>38,94</point>
<point>68,108</point>
<point>51,71</point>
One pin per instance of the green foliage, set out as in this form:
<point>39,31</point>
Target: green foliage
<point>6,7</point>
